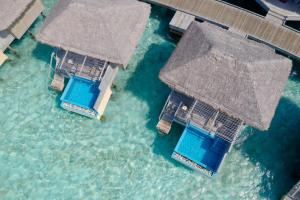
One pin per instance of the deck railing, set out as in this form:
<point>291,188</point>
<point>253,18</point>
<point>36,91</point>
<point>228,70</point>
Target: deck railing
<point>70,64</point>
<point>202,114</point>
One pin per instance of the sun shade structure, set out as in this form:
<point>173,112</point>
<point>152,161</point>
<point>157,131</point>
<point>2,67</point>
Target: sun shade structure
<point>16,18</point>
<point>93,39</point>
<point>103,29</point>
<point>220,82</point>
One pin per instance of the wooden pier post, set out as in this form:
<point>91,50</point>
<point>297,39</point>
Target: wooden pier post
<point>32,36</point>
<point>14,51</point>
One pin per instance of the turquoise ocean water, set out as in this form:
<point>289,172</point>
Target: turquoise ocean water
<point>49,153</point>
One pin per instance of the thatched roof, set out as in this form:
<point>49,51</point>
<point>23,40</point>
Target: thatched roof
<point>103,29</point>
<point>11,10</point>
<point>240,77</point>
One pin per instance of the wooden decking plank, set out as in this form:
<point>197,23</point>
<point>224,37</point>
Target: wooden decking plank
<point>239,22</point>
<point>289,42</point>
<point>295,44</point>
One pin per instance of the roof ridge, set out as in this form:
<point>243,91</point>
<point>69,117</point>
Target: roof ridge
<point>277,59</point>
<point>249,73</point>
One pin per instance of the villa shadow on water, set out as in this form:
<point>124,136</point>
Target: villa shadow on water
<point>42,52</point>
<point>276,150</point>
<point>150,88</point>
<point>146,85</point>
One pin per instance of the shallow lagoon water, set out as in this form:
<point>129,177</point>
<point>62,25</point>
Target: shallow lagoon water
<point>49,153</point>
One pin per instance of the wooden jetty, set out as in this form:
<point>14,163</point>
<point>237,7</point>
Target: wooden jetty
<point>294,193</point>
<point>239,20</point>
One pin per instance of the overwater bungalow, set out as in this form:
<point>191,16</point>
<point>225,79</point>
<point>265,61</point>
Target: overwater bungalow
<point>92,39</point>
<point>220,81</point>
<point>16,18</point>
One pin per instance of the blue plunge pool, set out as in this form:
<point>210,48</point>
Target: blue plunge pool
<point>202,148</point>
<point>81,92</point>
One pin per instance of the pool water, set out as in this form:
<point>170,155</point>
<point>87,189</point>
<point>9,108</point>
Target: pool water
<point>202,148</point>
<point>48,153</point>
<point>81,92</point>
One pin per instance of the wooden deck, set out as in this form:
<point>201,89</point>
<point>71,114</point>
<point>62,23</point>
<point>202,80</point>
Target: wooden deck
<point>70,64</point>
<point>239,20</point>
<point>182,109</point>
<point>102,103</point>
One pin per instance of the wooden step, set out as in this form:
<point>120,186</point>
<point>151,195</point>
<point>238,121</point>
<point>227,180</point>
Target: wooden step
<point>275,17</point>
<point>58,82</point>
<point>164,126</point>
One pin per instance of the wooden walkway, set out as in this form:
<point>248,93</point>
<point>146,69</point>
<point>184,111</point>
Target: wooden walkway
<point>294,193</point>
<point>239,20</point>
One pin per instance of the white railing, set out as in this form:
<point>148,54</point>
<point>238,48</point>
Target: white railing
<point>51,69</point>
<point>82,64</point>
<point>63,60</point>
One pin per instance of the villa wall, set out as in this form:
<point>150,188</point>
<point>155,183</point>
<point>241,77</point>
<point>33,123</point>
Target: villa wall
<point>105,87</point>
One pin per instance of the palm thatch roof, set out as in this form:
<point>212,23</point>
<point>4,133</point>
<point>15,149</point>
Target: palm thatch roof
<point>103,29</point>
<point>240,77</point>
<point>11,10</point>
